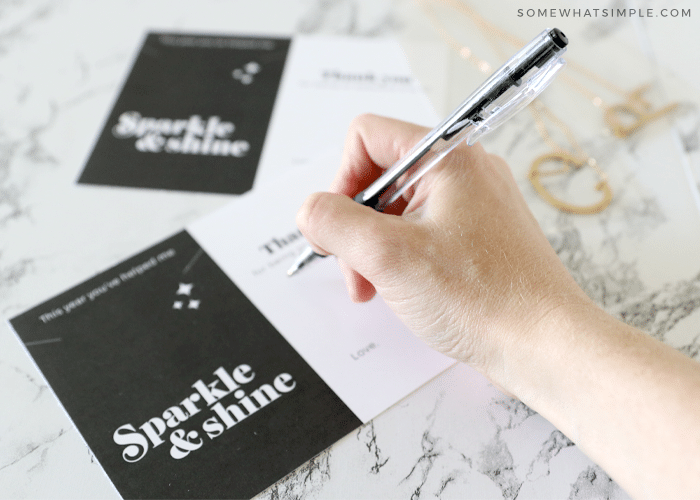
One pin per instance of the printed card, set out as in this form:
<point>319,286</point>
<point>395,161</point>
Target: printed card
<point>192,114</point>
<point>179,385</point>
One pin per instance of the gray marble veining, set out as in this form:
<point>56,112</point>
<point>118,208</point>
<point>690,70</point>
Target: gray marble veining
<point>457,437</point>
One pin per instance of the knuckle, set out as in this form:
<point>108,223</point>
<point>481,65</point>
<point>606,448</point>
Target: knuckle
<point>359,122</point>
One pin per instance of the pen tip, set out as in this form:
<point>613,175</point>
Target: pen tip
<point>292,270</point>
<point>306,256</point>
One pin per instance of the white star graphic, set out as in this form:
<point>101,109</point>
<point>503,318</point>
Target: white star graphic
<point>184,288</point>
<point>194,304</point>
<point>177,304</point>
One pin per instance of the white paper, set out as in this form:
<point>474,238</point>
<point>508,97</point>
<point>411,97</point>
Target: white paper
<point>327,82</point>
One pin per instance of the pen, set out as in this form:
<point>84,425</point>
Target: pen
<point>512,87</point>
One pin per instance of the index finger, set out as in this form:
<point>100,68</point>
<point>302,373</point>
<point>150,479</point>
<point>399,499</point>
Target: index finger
<point>373,144</point>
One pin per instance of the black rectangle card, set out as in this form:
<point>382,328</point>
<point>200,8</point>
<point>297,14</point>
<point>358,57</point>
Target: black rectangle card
<point>192,114</point>
<point>178,384</point>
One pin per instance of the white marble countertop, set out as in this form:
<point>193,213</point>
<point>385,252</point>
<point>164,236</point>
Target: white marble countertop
<point>61,64</point>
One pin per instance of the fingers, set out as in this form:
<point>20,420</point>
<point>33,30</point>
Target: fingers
<point>365,240</point>
<point>340,226</point>
<point>359,289</point>
<point>373,143</point>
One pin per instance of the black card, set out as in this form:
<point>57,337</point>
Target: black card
<point>192,115</point>
<point>179,385</point>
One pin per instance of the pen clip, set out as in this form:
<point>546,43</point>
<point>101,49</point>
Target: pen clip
<point>498,111</point>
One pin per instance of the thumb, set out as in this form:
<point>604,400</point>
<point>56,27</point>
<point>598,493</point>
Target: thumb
<point>364,239</point>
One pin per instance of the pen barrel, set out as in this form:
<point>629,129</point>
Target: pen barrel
<point>420,166</point>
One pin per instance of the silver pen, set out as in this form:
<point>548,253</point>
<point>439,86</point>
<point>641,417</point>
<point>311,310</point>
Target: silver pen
<point>512,87</point>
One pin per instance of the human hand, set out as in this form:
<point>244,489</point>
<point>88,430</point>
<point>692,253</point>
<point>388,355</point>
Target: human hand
<point>466,267</point>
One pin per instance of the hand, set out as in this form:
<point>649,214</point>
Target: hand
<point>465,267</point>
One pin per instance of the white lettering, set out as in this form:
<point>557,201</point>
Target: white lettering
<point>284,382</point>
<point>196,136</point>
<point>136,443</point>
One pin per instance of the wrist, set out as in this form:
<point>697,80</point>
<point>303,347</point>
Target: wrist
<point>627,400</point>
<point>538,348</point>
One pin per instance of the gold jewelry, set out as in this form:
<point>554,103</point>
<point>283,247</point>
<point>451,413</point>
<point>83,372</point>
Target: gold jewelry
<point>637,109</point>
<point>570,163</point>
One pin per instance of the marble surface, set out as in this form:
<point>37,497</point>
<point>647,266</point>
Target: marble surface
<point>61,64</point>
